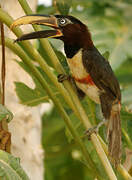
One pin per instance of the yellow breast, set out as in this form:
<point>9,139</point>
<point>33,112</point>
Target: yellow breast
<point>76,66</point>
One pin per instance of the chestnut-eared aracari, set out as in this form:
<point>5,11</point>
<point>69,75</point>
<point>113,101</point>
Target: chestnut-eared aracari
<point>91,72</point>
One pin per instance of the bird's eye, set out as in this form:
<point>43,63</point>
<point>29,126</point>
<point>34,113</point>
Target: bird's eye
<point>62,21</point>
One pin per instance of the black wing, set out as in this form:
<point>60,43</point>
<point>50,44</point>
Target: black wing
<point>103,77</point>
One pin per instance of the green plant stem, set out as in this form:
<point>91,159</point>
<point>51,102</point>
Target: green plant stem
<point>91,106</point>
<point>17,50</point>
<point>127,138</point>
<point>120,168</point>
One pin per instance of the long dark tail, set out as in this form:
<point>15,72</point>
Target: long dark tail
<point>114,134</point>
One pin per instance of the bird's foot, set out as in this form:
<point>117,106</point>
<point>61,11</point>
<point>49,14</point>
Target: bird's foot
<point>94,129</point>
<point>63,77</point>
<point>90,131</point>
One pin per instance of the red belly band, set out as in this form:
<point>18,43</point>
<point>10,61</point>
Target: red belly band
<point>85,80</point>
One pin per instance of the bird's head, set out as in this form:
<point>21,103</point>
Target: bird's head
<point>66,28</point>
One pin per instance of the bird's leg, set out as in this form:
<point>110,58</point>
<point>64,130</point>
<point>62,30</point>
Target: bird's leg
<point>95,129</point>
<point>63,77</point>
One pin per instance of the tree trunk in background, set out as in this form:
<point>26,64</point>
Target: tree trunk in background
<point>26,125</point>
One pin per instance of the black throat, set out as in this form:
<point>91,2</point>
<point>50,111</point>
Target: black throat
<point>71,50</point>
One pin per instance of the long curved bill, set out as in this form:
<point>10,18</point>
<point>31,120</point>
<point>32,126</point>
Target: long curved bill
<point>47,20</point>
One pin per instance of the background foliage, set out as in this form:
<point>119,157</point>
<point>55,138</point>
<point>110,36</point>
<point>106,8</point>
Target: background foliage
<point>110,25</point>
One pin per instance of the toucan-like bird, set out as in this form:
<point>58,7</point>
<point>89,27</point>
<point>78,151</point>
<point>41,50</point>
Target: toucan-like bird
<point>91,72</point>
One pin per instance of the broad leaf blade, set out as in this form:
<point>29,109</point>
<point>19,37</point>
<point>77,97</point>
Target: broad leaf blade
<point>10,168</point>
<point>36,96</point>
<point>28,96</point>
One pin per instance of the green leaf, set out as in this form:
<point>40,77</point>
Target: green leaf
<point>10,168</point>
<point>43,53</point>
<point>29,96</point>
<point>62,59</point>
<point>42,9</point>
<point>63,6</point>
<point>77,125</point>
<point>5,113</point>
